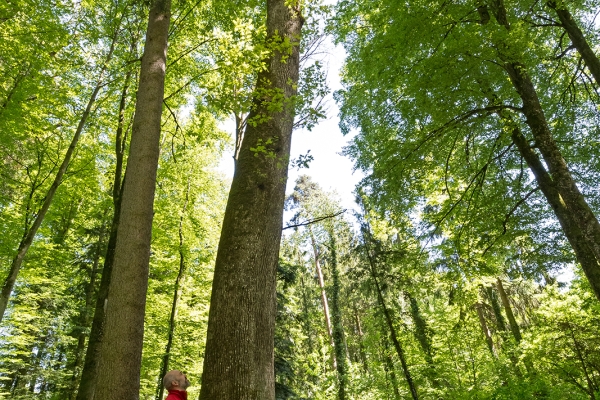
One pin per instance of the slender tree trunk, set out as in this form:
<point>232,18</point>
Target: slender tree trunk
<point>238,363</point>
<point>324,301</point>
<point>338,329</point>
<point>363,354</point>
<point>493,298</point>
<point>121,350</point>
<point>590,383</point>
<point>577,38</point>
<point>514,327</point>
<point>390,324</point>
<point>423,337</point>
<point>176,296</point>
<point>388,366</point>
<point>27,239</point>
<point>485,329</point>
<point>87,383</point>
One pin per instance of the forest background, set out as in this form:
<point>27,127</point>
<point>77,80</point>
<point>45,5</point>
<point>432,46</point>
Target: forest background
<point>474,130</point>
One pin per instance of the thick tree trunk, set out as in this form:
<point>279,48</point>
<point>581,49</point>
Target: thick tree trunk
<point>577,38</point>
<point>121,350</point>
<point>87,383</point>
<point>176,296</point>
<point>27,239</point>
<point>338,329</point>
<point>239,348</point>
<point>580,246</point>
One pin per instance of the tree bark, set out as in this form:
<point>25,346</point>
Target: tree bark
<point>577,38</point>
<point>238,363</point>
<point>121,350</point>
<point>27,239</point>
<point>485,329</point>
<point>87,383</point>
<point>176,296</point>
<point>514,327</point>
<point>580,246</point>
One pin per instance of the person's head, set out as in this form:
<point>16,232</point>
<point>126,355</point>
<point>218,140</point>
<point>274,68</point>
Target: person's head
<point>175,380</point>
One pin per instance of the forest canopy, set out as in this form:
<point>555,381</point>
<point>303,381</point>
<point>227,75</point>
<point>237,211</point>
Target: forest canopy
<point>469,267</point>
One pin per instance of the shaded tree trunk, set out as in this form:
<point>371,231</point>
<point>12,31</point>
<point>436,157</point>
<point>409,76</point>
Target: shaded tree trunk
<point>28,237</point>
<point>485,329</point>
<point>121,349</point>
<point>514,327</point>
<point>238,363</point>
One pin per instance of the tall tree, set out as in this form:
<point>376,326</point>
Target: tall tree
<point>239,347</point>
<point>121,352</point>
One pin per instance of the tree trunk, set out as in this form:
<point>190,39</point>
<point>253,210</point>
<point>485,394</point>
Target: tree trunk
<point>238,362</point>
<point>121,350</point>
<point>176,296</point>
<point>423,337</point>
<point>514,327</point>
<point>41,214</point>
<point>338,329</point>
<point>363,354</point>
<point>580,246</point>
<point>485,329</point>
<point>390,323</point>
<point>87,383</point>
<point>577,38</point>
<point>324,301</point>
<point>564,183</point>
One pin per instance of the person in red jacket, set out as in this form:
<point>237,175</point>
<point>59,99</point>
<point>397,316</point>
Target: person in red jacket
<point>176,383</point>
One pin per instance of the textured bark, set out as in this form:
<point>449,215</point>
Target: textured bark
<point>500,323</point>
<point>121,350</point>
<point>87,383</point>
<point>238,363</point>
<point>27,239</point>
<point>577,38</point>
<point>176,296</point>
<point>485,329</point>
<point>580,246</point>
